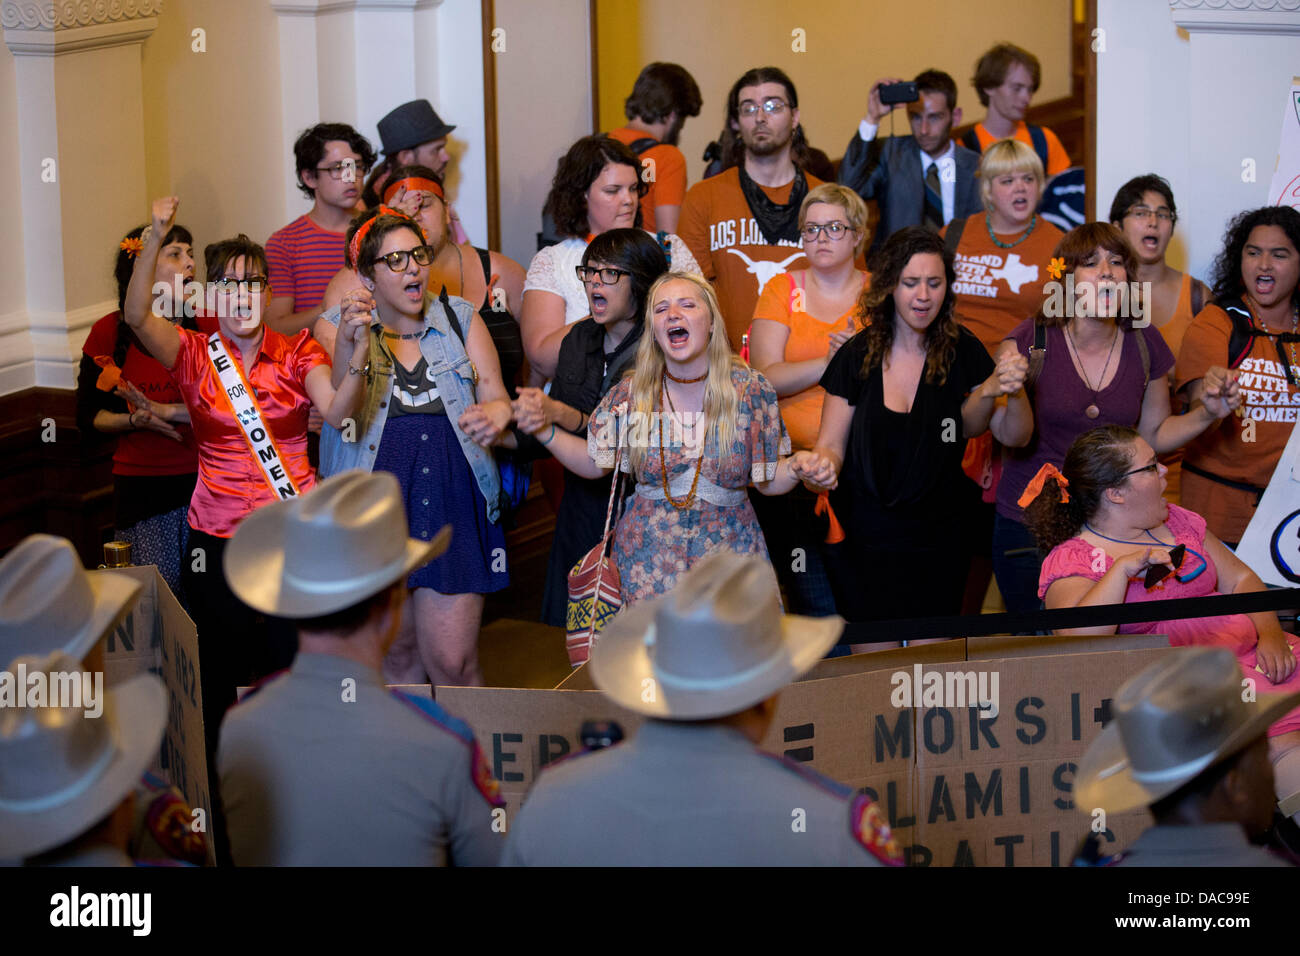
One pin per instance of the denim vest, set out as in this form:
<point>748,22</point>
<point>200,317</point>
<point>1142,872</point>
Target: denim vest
<point>452,372</point>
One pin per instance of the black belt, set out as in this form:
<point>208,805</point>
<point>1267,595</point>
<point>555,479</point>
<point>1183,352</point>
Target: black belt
<point>1239,485</point>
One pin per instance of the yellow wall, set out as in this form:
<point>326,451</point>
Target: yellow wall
<point>212,120</point>
<point>849,44</point>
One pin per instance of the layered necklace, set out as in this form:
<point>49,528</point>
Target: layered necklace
<point>1092,411</point>
<point>684,503</point>
<point>988,224</point>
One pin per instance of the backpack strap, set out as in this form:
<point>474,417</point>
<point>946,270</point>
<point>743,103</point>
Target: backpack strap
<point>952,238</point>
<point>639,146</point>
<point>1146,359</point>
<point>1039,140</point>
<point>452,320</point>
<point>1037,353</point>
<point>1242,338</point>
<point>972,141</point>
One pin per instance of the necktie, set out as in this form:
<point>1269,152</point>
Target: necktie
<point>932,215</point>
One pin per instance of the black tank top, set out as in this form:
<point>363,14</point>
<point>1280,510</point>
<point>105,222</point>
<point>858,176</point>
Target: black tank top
<point>504,329</point>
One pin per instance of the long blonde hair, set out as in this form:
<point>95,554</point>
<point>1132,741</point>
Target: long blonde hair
<point>721,400</point>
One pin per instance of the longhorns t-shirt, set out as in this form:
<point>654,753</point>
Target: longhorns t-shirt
<point>999,288</point>
<point>724,237</point>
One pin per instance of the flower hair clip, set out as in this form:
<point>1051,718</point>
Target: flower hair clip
<point>131,246</point>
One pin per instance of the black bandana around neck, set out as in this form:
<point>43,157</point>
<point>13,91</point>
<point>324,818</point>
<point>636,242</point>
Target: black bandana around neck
<point>775,221</point>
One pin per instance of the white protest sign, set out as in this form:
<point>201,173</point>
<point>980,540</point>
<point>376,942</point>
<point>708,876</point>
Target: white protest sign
<point>1284,190</point>
<point>1271,544</point>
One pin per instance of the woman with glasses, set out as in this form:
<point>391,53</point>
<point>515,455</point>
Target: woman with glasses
<point>802,318</point>
<point>597,187</point>
<point>618,268</point>
<point>433,405</point>
<point>1144,211</point>
<point>1097,366</point>
<point>474,274</point>
<point>1112,538</point>
<point>248,390</point>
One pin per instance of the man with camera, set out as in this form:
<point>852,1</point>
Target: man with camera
<point>922,179</point>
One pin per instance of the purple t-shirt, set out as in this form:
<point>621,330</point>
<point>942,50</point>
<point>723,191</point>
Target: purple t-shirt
<point>1060,397</point>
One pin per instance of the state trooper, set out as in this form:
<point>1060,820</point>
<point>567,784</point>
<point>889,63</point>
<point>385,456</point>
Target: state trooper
<point>1184,743</point>
<point>323,765</point>
<point>704,663</point>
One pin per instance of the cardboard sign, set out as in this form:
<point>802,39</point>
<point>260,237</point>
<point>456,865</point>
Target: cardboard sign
<point>1271,542</point>
<point>958,787</point>
<point>1284,190</point>
<point>157,635</point>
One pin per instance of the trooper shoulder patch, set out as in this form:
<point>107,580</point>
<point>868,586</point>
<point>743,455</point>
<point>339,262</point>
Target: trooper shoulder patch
<point>871,829</point>
<point>484,782</point>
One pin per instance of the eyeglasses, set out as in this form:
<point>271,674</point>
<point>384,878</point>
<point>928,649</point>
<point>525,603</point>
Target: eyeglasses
<point>229,284</point>
<point>1146,213</point>
<point>608,275</point>
<point>1154,466</point>
<point>770,106</point>
<point>423,255</point>
<point>338,170</point>
<point>836,230</point>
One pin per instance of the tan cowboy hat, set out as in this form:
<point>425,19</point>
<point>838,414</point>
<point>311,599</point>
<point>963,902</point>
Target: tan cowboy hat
<point>61,771</point>
<point>1178,717</point>
<point>49,602</point>
<point>715,645</point>
<point>337,545</point>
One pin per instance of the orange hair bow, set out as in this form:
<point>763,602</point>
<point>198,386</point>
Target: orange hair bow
<point>1035,486</point>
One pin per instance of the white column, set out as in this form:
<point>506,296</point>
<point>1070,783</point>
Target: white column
<point>351,61</point>
<point>81,161</point>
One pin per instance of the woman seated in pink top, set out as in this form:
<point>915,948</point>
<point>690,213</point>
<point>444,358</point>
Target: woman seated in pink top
<point>802,318</point>
<point>1105,523</point>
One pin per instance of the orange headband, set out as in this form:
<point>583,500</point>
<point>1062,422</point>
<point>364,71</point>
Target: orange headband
<point>1035,486</point>
<point>416,183</point>
<point>354,248</point>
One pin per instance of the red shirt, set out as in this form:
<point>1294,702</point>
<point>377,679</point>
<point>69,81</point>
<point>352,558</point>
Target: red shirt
<point>145,452</point>
<point>231,483</point>
<point>302,258</point>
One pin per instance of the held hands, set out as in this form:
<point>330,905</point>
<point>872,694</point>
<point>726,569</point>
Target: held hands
<point>533,410</point>
<point>1008,377</point>
<point>485,423</point>
<point>145,413</point>
<point>1274,656</point>
<point>1221,391</point>
<point>357,311</point>
<point>835,340</point>
<point>876,110</point>
<point>814,470</point>
<point>406,202</point>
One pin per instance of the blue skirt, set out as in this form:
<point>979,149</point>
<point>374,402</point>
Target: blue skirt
<point>439,488</point>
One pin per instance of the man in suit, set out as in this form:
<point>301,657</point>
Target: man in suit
<point>922,179</point>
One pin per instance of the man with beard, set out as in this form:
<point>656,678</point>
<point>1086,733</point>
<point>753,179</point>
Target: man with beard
<point>920,180</point>
<point>742,225</point>
<point>663,96</point>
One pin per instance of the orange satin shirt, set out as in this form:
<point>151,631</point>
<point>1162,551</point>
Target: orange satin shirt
<point>231,484</point>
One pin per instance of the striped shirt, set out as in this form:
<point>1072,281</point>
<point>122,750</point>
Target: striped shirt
<point>303,258</point>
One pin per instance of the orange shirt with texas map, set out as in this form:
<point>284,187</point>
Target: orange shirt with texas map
<point>721,232</point>
<point>998,288</point>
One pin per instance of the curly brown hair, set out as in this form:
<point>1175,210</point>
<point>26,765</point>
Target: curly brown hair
<point>577,169</point>
<point>1080,243</point>
<point>876,304</point>
<point>1096,461</point>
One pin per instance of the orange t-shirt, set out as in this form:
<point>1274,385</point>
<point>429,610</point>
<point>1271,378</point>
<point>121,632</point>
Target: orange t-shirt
<point>1174,330</point>
<point>1245,446</point>
<point>802,411</point>
<point>1057,158</point>
<point>721,232</point>
<point>998,288</point>
<point>663,168</point>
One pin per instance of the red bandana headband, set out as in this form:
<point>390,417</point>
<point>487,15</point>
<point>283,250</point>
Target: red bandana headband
<point>415,184</point>
<point>354,248</point>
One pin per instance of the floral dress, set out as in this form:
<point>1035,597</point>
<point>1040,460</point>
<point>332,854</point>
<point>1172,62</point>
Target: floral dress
<point>655,542</point>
